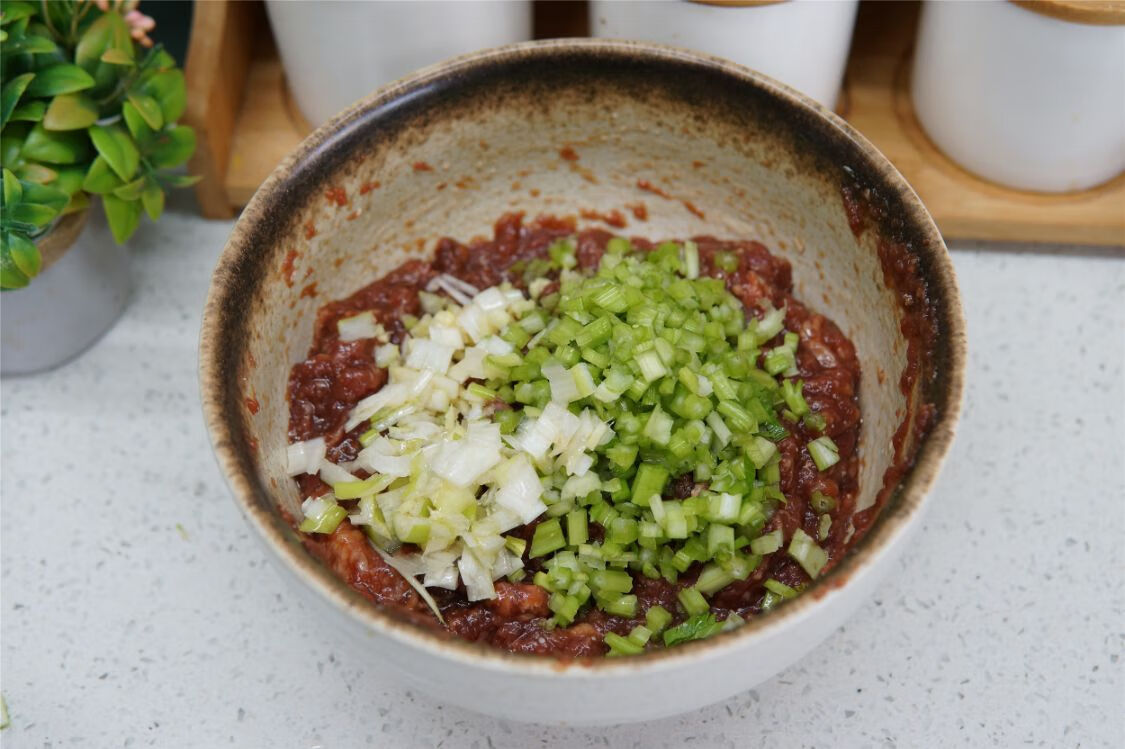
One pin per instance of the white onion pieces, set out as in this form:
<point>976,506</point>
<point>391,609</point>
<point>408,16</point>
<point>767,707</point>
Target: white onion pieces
<point>443,478</point>
<point>305,457</point>
<point>360,326</point>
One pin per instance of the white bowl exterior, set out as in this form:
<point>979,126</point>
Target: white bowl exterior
<point>561,695</point>
<point>802,43</point>
<point>1023,99</point>
<point>336,52</point>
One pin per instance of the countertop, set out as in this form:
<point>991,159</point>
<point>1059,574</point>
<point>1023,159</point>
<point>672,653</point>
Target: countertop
<point>137,611</point>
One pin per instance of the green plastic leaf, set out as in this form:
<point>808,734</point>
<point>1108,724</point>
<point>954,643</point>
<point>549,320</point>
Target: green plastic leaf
<point>13,193</point>
<point>79,201</point>
<point>25,255</point>
<point>47,195</point>
<point>108,32</point>
<point>70,112</point>
<point>63,78</point>
<point>123,215</point>
<point>100,179</point>
<point>69,179</point>
<point>131,190</point>
<point>172,147</point>
<point>161,60</point>
<point>15,11</point>
<point>136,124</point>
<point>53,147</point>
<point>116,146</point>
<point>30,214</point>
<point>32,45</point>
<point>32,172</point>
<point>10,95</point>
<point>115,56</point>
<point>168,88</point>
<point>31,111</point>
<point>153,200</point>
<point>179,180</point>
<point>148,108</point>
<point>11,277</point>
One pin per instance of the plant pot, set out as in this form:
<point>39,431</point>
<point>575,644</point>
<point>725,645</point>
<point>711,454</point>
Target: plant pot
<point>1030,96</point>
<point>802,44</point>
<point>81,291</point>
<point>337,52</point>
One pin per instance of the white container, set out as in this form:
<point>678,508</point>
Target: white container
<point>337,52</point>
<point>70,304</point>
<point>802,43</point>
<point>1020,97</point>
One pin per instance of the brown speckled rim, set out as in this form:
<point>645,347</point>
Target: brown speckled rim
<point>323,152</point>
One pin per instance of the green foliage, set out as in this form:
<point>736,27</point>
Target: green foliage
<point>84,110</point>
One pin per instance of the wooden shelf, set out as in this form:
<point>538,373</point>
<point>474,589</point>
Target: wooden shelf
<point>239,103</point>
<point>876,100</point>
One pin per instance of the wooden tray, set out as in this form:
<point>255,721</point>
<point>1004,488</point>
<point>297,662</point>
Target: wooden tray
<point>247,123</point>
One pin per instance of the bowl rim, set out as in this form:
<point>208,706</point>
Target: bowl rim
<point>893,521</point>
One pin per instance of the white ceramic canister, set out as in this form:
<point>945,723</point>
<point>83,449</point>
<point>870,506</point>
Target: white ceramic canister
<point>1031,96</point>
<point>336,52</point>
<point>803,43</point>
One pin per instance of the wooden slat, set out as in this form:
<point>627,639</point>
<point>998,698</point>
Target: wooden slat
<point>270,126</point>
<point>219,61</point>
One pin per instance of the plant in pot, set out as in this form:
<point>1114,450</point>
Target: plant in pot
<point>88,108</point>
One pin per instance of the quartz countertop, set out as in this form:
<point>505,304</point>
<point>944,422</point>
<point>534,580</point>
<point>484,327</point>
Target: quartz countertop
<point>136,609</point>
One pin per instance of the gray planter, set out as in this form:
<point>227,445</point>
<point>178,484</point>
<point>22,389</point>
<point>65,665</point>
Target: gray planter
<point>70,304</point>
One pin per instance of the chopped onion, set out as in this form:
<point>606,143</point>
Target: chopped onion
<point>563,388</point>
<point>330,473</point>
<point>455,287</point>
<point>359,326</point>
<point>428,355</point>
<point>520,488</point>
<point>477,579</point>
<point>305,456</point>
<point>462,462</point>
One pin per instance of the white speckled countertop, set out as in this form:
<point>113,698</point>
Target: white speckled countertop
<point>1004,625</point>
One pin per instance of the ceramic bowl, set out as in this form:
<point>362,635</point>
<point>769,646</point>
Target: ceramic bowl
<point>446,152</point>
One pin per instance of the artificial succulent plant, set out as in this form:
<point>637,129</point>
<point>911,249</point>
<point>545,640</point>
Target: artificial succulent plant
<point>89,106</point>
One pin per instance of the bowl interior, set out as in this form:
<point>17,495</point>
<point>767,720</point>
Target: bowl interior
<point>571,129</point>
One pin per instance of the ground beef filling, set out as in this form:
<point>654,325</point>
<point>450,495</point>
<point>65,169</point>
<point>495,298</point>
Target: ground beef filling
<point>336,375</point>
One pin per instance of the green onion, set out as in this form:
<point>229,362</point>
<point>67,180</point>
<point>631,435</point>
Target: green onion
<point>619,645</point>
<point>780,588</point>
<point>692,601</point>
<point>515,545</point>
<point>357,489</point>
<point>576,527</point>
<point>649,481</point>
<point>815,421</point>
<point>326,521</point>
<point>791,391</point>
<point>824,452</point>
<point>657,618</point>
<point>548,537</point>
<point>804,550</point>
<point>822,502</point>
<point>768,543</point>
<point>698,627</point>
<point>824,527</point>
